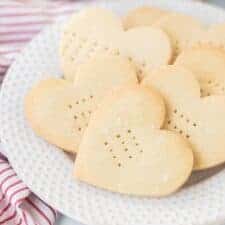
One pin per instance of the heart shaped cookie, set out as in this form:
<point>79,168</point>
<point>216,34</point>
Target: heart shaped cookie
<point>59,111</point>
<point>146,47</point>
<point>142,16</point>
<point>207,63</point>
<point>199,119</point>
<point>180,28</point>
<point>125,150</point>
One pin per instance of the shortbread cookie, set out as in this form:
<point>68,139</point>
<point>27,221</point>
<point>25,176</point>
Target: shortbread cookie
<point>125,150</point>
<point>87,21</point>
<point>142,16</point>
<point>180,28</point>
<point>208,66</point>
<point>146,47</point>
<point>214,36</point>
<point>59,111</point>
<point>199,120</point>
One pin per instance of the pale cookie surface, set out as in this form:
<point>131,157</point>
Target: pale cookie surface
<point>207,64</point>
<point>180,28</point>
<point>147,47</point>
<point>59,111</point>
<point>199,120</point>
<point>124,149</point>
<point>214,36</point>
<point>85,22</point>
<point>142,16</point>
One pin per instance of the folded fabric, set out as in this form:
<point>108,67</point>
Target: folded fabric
<point>18,206</point>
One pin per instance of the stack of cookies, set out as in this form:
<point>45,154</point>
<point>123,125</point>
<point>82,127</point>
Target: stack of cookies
<point>142,100</point>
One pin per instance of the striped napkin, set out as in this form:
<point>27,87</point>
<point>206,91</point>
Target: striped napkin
<point>18,206</point>
<point>19,22</point>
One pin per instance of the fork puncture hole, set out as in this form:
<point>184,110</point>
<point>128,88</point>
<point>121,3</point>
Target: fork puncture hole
<point>70,106</point>
<point>79,128</point>
<point>114,157</point>
<point>83,99</point>
<point>77,102</point>
<point>75,117</point>
<point>106,143</point>
<point>130,157</point>
<point>118,136</point>
<point>119,165</point>
<point>129,131</point>
<point>126,149</point>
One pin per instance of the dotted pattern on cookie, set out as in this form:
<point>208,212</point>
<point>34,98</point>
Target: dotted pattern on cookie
<point>211,87</point>
<point>175,118</point>
<point>126,147</point>
<point>207,43</point>
<point>79,49</point>
<point>81,117</point>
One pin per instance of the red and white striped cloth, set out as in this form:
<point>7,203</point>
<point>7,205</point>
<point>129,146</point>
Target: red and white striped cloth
<point>18,206</point>
<point>19,22</point>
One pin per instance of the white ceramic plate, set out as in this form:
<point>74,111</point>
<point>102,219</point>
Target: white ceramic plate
<point>48,171</point>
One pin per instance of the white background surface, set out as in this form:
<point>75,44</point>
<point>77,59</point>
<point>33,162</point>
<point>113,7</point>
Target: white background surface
<point>66,221</point>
